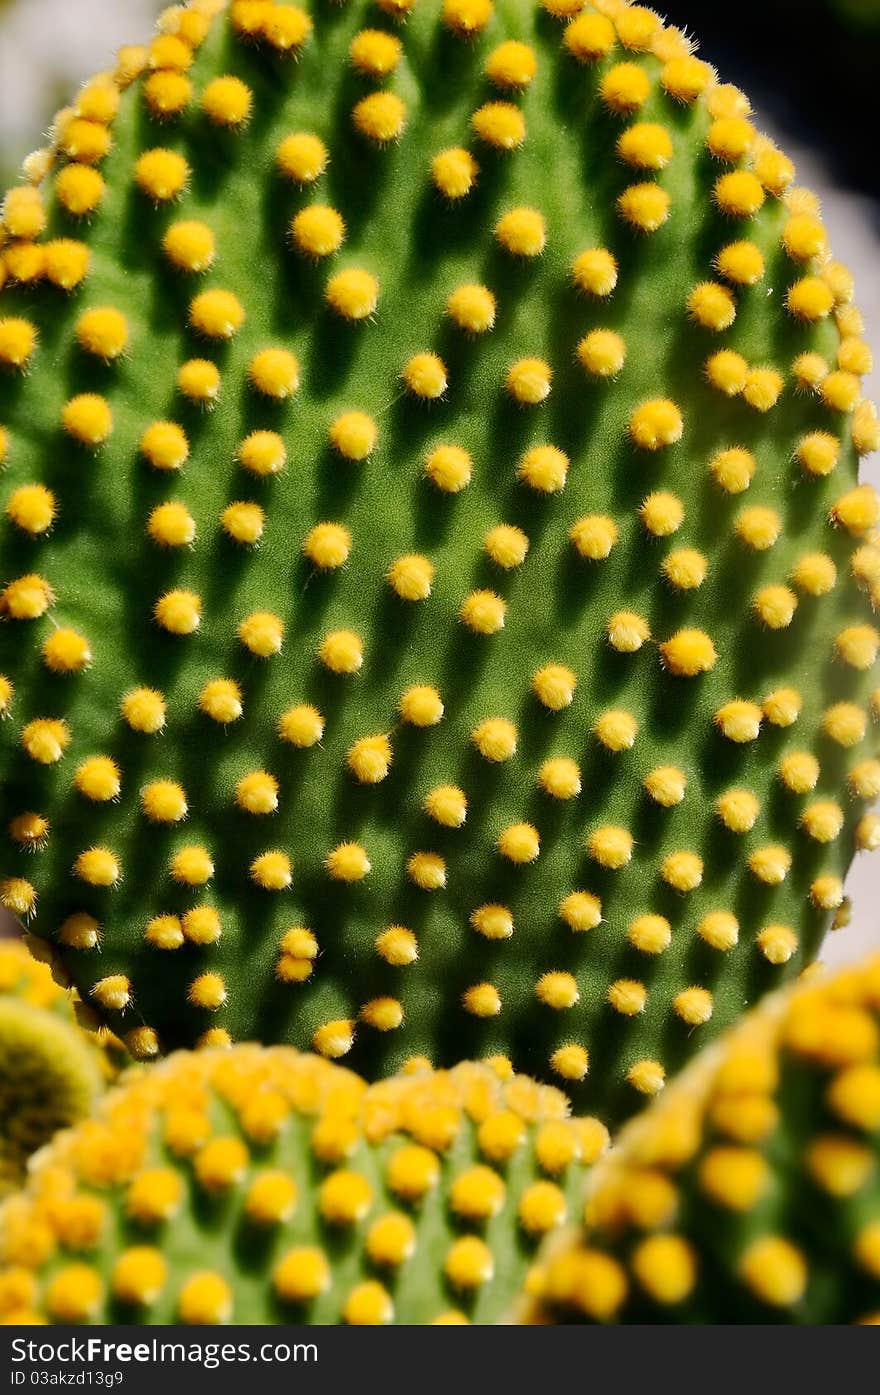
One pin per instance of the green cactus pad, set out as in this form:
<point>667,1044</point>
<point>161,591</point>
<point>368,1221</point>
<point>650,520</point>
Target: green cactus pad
<point>751,1191</point>
<point>260,1185</point>
<point>434,562</point>
<point>51,1073</point>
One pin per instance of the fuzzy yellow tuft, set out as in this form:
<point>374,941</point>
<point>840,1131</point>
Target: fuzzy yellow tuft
<point>472,308</point>
<point>425,376</point>
<point>380,117</point>
<point>661,514</point>
<point>161,174</point>
<point>689,653</point>
<point>454,172</point>
<point>499,124</point>
<point>656,424</point>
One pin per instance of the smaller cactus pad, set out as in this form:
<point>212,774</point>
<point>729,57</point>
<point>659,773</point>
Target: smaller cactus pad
<point>751,1192</point>
<point>51,1072</point>
<point>258,1185</point>
<point>435,591</point>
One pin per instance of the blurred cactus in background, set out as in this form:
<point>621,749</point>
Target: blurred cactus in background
<point>51,1072</point>
<point>260,1185</point>
<point>750,1192</point>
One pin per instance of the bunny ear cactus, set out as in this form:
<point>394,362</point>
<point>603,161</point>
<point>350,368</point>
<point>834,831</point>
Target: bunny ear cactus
<point>51,1074</point>
<point>751,1191</point>
<point>259,1185</point>
<point>437,585</point>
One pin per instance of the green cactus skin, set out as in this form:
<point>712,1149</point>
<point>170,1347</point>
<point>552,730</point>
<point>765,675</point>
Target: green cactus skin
<point>258,1185</point>
<point>791,362</point>
<point>751,1192</point>
<point>51,1073</point>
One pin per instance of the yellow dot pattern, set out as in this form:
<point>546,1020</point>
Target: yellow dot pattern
<point>334,1201</point>
<point>749,1193</point>
<point>371,622</point>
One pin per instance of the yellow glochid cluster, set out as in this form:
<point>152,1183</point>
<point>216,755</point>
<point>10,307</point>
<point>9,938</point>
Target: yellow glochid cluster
<point>420,1199</point>
<point>748,1193</point>
<point>624,716</point>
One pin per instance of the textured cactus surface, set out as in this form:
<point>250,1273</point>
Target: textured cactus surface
<point>435,613</point>
<point>751,1191</point>
<point>51,1073</point>
<point>261,1185</point>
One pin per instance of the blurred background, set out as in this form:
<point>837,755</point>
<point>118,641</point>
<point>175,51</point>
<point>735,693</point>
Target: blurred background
<point>811,68</point>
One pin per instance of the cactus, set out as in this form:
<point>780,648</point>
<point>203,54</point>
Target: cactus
<point>436,609</point>
<point>260,1185</point>
<point>51,1073</point>
<point>751,1191</point>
